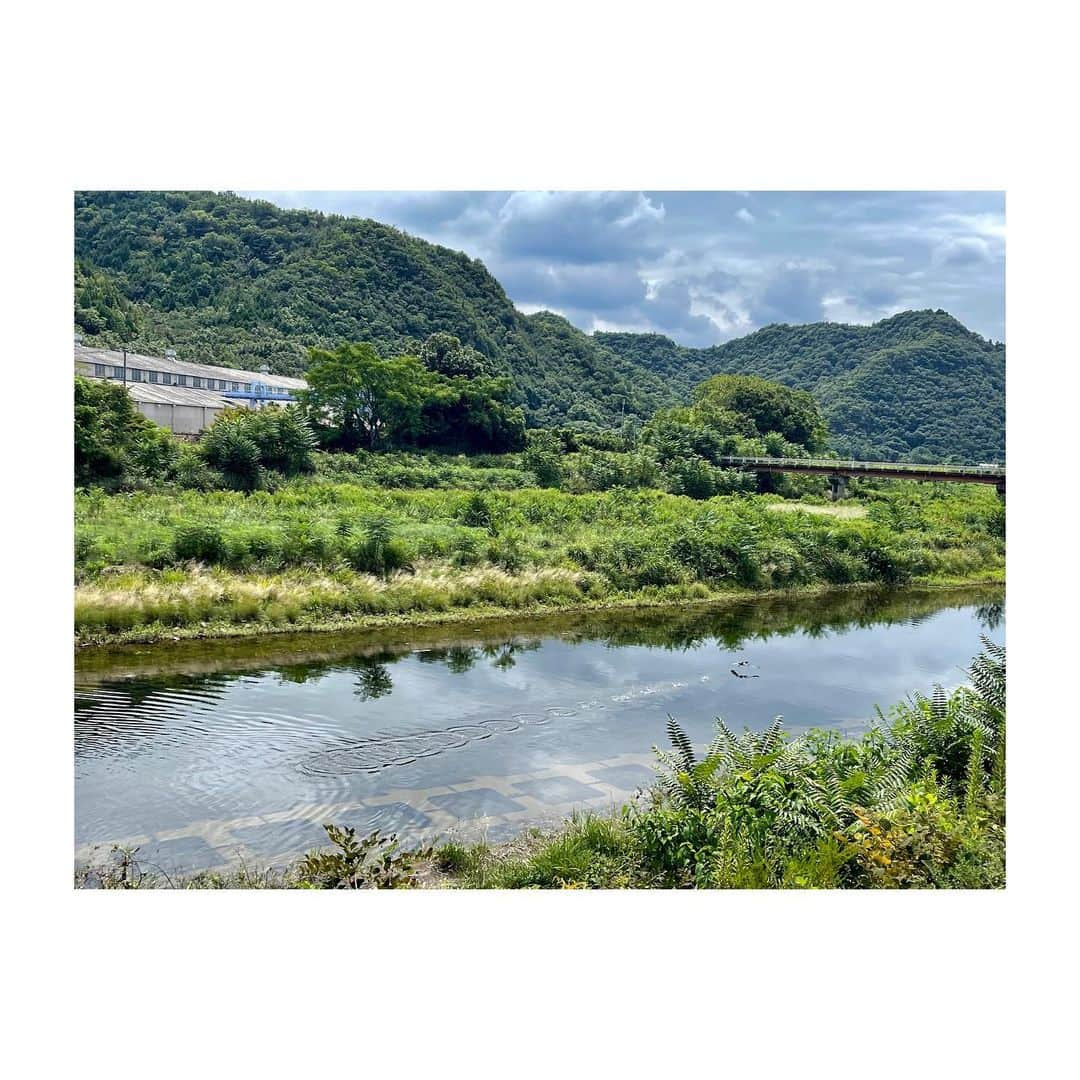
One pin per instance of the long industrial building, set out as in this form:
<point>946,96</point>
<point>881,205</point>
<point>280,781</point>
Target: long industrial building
<point>179,395</point>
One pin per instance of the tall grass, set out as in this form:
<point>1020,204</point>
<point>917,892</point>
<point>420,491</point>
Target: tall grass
<point>139,598</point>
<point>321,547</point>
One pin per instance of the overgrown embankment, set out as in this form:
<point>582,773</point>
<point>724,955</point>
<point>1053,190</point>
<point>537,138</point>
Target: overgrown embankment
<point>318,554</point>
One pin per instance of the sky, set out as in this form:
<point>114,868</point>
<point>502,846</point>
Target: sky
<point>705,267</point>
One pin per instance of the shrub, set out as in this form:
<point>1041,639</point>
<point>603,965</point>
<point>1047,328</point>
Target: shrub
<point>917,804</point>
<point>204,543</point>
<point>248,447</point>
<point>373,862</point>
<point>378,551</point>
<point>228,449</point>
<point>543,458</point>
<point>114,444</point>
<point>478,512</point>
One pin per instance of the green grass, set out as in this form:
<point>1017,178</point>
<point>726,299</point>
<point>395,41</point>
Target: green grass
<point>320,553</point>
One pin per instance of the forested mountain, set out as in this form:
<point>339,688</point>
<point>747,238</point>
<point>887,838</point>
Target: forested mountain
<point>919,385</point>
<point>242,283</point>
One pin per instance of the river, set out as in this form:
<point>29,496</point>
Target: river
<point>206,753</point>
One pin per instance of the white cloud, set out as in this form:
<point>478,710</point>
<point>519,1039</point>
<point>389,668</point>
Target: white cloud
<point>986,225</point>
<point>695,265</point>
<point>846,309</point>
<point>530,308</point>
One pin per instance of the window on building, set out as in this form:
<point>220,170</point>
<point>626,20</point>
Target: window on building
<point>99,370</point>
<point>154,376</point>
<point>236,386</point>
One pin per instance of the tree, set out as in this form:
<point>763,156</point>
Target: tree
<point>358,398</point>
<point>101,308</point>
<point>443,353</point>
<point>114,443</point>
<point>472,415</point>
<point>770,406</point>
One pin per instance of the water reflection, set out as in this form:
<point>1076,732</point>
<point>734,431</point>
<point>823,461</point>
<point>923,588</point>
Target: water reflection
<point>429,728</point>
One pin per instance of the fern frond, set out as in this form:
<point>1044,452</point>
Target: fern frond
<point>681,741</point>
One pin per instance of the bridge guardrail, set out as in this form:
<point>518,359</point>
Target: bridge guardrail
<point>854,465</point>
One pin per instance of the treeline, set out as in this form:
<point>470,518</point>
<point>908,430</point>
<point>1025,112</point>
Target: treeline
<point>243,283</point>
<point>449,399</point>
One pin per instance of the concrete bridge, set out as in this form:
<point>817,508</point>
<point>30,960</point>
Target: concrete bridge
<point>839,471</point>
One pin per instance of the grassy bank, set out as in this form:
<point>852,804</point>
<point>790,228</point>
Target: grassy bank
<point>917,802</point>
<point>318,554</point>
<point>732,621</point>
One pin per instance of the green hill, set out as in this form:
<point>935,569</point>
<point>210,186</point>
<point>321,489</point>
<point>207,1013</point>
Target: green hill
<point>240,282</point>
<point>918,385</point>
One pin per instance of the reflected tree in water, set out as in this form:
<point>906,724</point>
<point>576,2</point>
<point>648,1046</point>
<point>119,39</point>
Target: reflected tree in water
<point>373,682</point>
<point>460,659</point>
<point>503,654</point>
<point>990,615</point>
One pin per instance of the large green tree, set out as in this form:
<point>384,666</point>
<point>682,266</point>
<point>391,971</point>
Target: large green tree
<point>727,400</point>
<point>445,354</point>
<point>356,398</point>
<point>472,415</point>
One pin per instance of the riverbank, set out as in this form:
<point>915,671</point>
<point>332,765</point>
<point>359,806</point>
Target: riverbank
<point>320,556</point>
<point>733,618</point>
<point>267,623</point>
<point>917,802</point>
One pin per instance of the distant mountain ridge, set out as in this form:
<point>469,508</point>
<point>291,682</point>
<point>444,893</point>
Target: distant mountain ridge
<point>241,283</point>
<point>918,385</point>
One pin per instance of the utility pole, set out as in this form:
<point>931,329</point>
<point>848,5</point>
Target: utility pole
<point>125,367</point>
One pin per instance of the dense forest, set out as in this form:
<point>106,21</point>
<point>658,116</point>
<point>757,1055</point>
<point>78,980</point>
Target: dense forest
<point>244,283</point>
<point>918,386</point>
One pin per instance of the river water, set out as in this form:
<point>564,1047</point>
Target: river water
<point>203,754</point>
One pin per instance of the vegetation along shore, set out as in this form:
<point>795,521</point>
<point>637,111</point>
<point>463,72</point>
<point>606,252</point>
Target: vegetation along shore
<point>254,529</point>
<point>318,554</point>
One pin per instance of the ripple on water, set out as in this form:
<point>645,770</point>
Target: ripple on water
<point>387,749</point>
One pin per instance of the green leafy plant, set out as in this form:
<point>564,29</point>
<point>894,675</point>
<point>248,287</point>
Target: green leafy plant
<point>370,862</point>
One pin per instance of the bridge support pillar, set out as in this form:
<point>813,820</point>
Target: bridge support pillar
<point>837,487</point>
<point>1001,490</point>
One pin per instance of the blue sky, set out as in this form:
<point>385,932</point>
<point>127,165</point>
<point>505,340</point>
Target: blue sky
<point>704,267</point>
